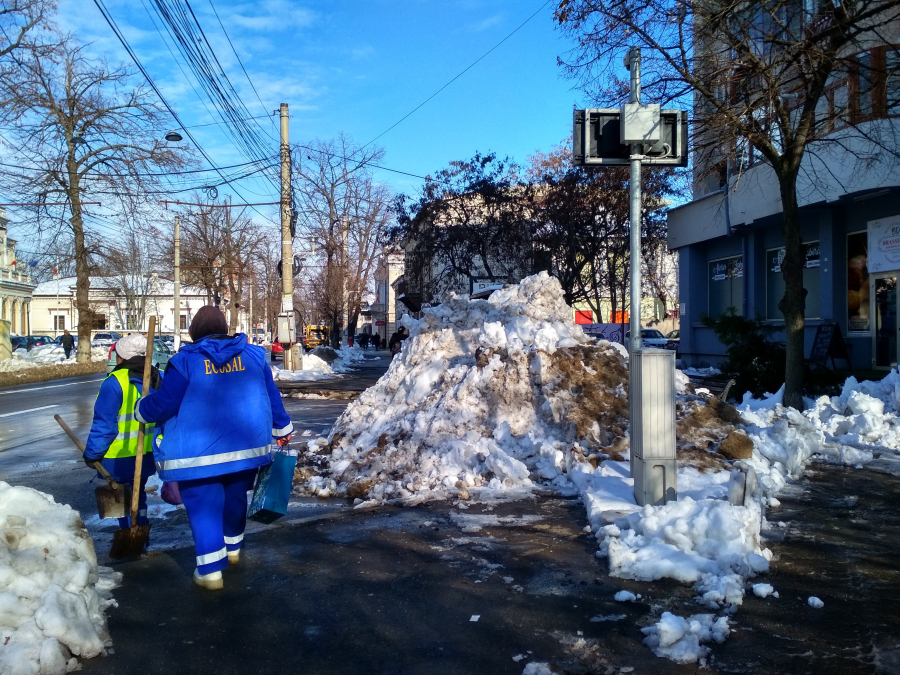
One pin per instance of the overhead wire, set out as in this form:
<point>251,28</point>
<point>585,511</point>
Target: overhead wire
<point>118,33</point>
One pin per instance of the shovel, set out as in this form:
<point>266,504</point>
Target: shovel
<point>110,498</point>
<point>131,542</point>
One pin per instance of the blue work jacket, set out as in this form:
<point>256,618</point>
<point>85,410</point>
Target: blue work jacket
<point>219,409</point>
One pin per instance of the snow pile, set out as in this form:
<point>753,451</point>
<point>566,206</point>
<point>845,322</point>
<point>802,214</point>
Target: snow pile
<point>702,372</point>
<point>709,543</point>
<point>492,394</point>
<point>680,639</point>
<point>347,358</point>
<point>314,369</point>
<point>46,355</point>
<point>865,414</point>
<point>52,594</point>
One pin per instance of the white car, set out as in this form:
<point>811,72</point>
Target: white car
<point>650,337</point>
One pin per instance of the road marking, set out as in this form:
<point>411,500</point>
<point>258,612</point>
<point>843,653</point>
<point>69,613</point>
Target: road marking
<point>22,412</point>
<point>50,386</point>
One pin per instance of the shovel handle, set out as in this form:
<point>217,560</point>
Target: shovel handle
<point>139,454</point>
<point>80,446</point>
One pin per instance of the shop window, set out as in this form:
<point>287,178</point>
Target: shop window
<point>857,282</point>
<point>726,286</point>
<point>775,281</point>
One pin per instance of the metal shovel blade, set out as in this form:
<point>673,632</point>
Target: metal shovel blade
<point>110,501</point>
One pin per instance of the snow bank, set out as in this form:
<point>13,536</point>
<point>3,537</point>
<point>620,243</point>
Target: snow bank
<point>314,369</point>
<point>45,355</point>
<point>488,395</point>
<point>52,594</point>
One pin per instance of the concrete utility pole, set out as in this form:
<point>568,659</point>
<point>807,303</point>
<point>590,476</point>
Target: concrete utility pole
<point>287,253</point>
<point>637,152</point>
<point>177,291</point>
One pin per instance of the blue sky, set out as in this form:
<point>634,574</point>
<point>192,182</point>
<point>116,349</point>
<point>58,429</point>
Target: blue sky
<point>359,66</point>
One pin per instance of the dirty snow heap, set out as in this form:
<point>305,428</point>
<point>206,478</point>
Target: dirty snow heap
<point>492,394</point>
<point>52,594</point>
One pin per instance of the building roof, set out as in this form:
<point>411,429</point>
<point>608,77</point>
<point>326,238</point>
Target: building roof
<point>66,286</point>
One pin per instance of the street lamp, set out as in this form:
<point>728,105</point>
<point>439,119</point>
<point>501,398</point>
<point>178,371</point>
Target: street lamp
<point>173,136</point>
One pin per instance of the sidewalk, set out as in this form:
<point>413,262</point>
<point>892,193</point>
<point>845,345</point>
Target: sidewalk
<point>396,590</point>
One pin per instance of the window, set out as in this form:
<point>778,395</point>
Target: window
<point>892,81</point>
<point>857,282</point>
<point>726,285</point>
<point>59,322</point>
<point>182,321</point>
<point>775,281</point>
<point>865,86</point>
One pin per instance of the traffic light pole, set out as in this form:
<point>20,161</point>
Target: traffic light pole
<point>637,151</point>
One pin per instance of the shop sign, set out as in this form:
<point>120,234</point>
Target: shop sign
<point>884,244</point>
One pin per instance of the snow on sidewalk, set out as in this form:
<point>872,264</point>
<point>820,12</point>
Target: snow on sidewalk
<point>45,355</point>
<point>52,593</point>
<point>495,396</point>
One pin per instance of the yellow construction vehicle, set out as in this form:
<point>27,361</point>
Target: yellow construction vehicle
<point>313,336</point>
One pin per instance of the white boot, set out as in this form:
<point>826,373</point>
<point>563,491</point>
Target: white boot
<point>234,557</point>
<point>211,582</point>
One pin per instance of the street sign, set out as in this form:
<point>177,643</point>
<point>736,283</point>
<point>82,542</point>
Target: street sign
<point>597,139</point>
<point>379,322</point>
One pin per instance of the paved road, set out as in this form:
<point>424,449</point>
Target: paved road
<point>29,436</point>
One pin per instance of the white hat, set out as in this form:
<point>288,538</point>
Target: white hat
<point>131,345</point>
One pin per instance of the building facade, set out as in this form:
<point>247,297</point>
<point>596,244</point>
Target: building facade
<point>54,309</point>
<point>15,283</point>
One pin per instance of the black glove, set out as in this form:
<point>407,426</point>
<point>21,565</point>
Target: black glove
<point>90,462</point>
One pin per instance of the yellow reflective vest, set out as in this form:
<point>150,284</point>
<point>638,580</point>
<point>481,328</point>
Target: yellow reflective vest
<point>125,444</point>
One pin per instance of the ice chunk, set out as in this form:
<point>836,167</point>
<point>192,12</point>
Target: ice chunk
<point>624,596</point>
<point>763,590</point>
<point>815,603</point>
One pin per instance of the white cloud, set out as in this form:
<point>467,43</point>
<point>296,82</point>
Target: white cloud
<point>486,24</point>
<point>275,15</point>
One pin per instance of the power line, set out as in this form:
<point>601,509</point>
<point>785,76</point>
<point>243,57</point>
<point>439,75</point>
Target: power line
<point>246,74</point>
<point>458,75</point>
<point>114,27</point>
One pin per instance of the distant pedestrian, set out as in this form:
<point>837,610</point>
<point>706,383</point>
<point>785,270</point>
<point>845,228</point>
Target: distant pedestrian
<point>396,341</point>
<point>364,341</point>
<point>220,410</point>
<point>67,342</point>
<point>376,342</point>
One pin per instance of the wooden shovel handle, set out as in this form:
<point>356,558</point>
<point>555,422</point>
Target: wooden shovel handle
<point>80,446</point>
<point>139,455</point>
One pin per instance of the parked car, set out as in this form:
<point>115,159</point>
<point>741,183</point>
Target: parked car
<point>161,355</point>
<point>28,342</point>
<point>650,337</point>
<point>277,351</point>
<point>673,339</point>
<point>104,339</point>
<point>58,339</point>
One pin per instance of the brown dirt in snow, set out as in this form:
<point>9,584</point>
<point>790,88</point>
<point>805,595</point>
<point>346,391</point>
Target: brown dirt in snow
<point>587,380</point>
<point>699,431</point>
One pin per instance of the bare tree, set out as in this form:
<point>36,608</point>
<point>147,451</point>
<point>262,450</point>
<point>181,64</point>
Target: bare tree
<point>20,23</point>
<point>128,266</point>
<point>472,219</point>
<point>84,131</point>
<point>760,73</point>
<point>345,212</point>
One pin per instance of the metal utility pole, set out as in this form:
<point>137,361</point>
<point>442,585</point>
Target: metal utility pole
<point>634,185</point>
<point>287,254</point>
<point>177,291</point>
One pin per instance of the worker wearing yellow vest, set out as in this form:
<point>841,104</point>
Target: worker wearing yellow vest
<point>113,437</point>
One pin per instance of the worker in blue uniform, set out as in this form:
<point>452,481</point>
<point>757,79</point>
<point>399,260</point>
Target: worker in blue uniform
<point>219,409</point>
<point>113,437</point>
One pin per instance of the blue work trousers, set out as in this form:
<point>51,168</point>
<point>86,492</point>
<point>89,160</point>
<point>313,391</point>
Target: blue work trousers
<point>217,510</point>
